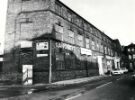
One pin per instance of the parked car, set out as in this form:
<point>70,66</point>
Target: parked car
<point>117,72</point>
<point>124,70</point>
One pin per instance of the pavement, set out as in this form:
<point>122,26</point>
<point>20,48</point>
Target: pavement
<point>21,91</point>
<point>7,83</point>
<point>78,80</point>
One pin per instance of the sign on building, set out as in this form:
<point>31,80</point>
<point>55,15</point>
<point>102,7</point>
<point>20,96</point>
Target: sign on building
<point>26,44</point>
<point>42,46</point>
<point>27,74</point>
<point>86,51</point>
<point>42,55</point>
<point>1,59</point>
<point>65,46</point>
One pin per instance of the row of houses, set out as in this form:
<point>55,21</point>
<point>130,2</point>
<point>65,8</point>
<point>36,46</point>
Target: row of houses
<point>46,41</point>
<point>128,57</point>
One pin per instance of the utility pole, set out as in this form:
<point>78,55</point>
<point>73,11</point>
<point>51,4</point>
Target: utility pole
<point>50,61</point>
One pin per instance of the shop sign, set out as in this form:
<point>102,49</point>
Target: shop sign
<point>1,59</point>
<point>42,55</point>
<point>68,47</point>
<point>86,51</point>
<point>42,46</point>
<point>65,46</point>
<point>26,44</point>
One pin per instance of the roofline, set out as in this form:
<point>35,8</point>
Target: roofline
<point>83,18</point>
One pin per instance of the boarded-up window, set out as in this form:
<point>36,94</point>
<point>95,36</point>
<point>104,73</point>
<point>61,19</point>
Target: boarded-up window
<point>26,30</point>
<point>58,9</point>
<point>80,40</point>
<point>60,62</point>
<point>87,43</point>
<point>59,32</point>
<point>71,36</point>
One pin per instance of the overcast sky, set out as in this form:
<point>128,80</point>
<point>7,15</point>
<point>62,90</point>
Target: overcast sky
<point>114,17</point>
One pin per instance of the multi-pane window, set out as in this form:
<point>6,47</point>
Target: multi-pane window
<point>93,44</point>
<point>90,29</point>
<point>129,50</point>
<point>101,48</point>
<point>79,22</point>
<point>133,49</point>
<point>69,15</point>
<point>26,28</point>
<point>133,56</point>
<point>80,40</point>
<point>71,36</point>
<point>64,12</point>
<point>105,50</point>
<point>59,32</point>
<point>97,45</point>
<point>129,56</point>
<point>87,43</point>
<point>85,26</point>
<point>58,8</point>
<point>111,52</point>
<point>60,62</point>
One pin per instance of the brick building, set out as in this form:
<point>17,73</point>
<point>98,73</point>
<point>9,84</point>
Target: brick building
<point>1,57</point>
<point>54,43</point>
<point>129,52</point>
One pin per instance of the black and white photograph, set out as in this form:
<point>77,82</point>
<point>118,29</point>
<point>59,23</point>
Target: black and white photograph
<point>67,50</point>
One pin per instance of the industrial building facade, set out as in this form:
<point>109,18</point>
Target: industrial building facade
<point>47,42</point>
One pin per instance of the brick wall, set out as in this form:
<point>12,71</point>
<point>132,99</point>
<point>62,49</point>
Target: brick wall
<point>24,26</point>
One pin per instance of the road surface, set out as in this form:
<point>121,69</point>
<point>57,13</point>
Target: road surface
<point>121,89</point>
<point>110,88</point>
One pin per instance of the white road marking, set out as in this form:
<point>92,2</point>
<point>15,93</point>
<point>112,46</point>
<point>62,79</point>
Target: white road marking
<point>30,91</point>
<point>73,97</point>
<point>118,79</point>
<point>103,85</point>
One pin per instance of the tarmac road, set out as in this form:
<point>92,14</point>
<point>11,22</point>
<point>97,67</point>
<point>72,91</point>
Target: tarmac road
<point>108,88</point>
<point>121,89</point>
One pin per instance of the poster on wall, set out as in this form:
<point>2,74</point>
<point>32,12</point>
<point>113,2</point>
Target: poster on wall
<point>42,46</point>
<point>27,74</point>
<point>26,44</point>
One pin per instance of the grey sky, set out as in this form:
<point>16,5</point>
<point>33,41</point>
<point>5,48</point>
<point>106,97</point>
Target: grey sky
<point>114,17</point>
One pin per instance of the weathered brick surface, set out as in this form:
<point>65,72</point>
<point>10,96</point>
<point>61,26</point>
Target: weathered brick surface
<point>66,75</point>
<point>13,78</point>
<point>72,74</point>
<point>24,31</point>
<point>37,20</point>
<point>40,77</point>
<point>18,28</point>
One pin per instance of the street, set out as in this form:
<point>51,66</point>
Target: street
<point>121,89</point>
<point>110,88</point>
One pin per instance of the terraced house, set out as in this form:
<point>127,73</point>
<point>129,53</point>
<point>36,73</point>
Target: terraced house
<point>129,52</point>
<point>46,41</point>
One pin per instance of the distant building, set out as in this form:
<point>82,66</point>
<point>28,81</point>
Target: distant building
<point>52,42</point>
<point>1,58</point>
<point>129,51</point>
